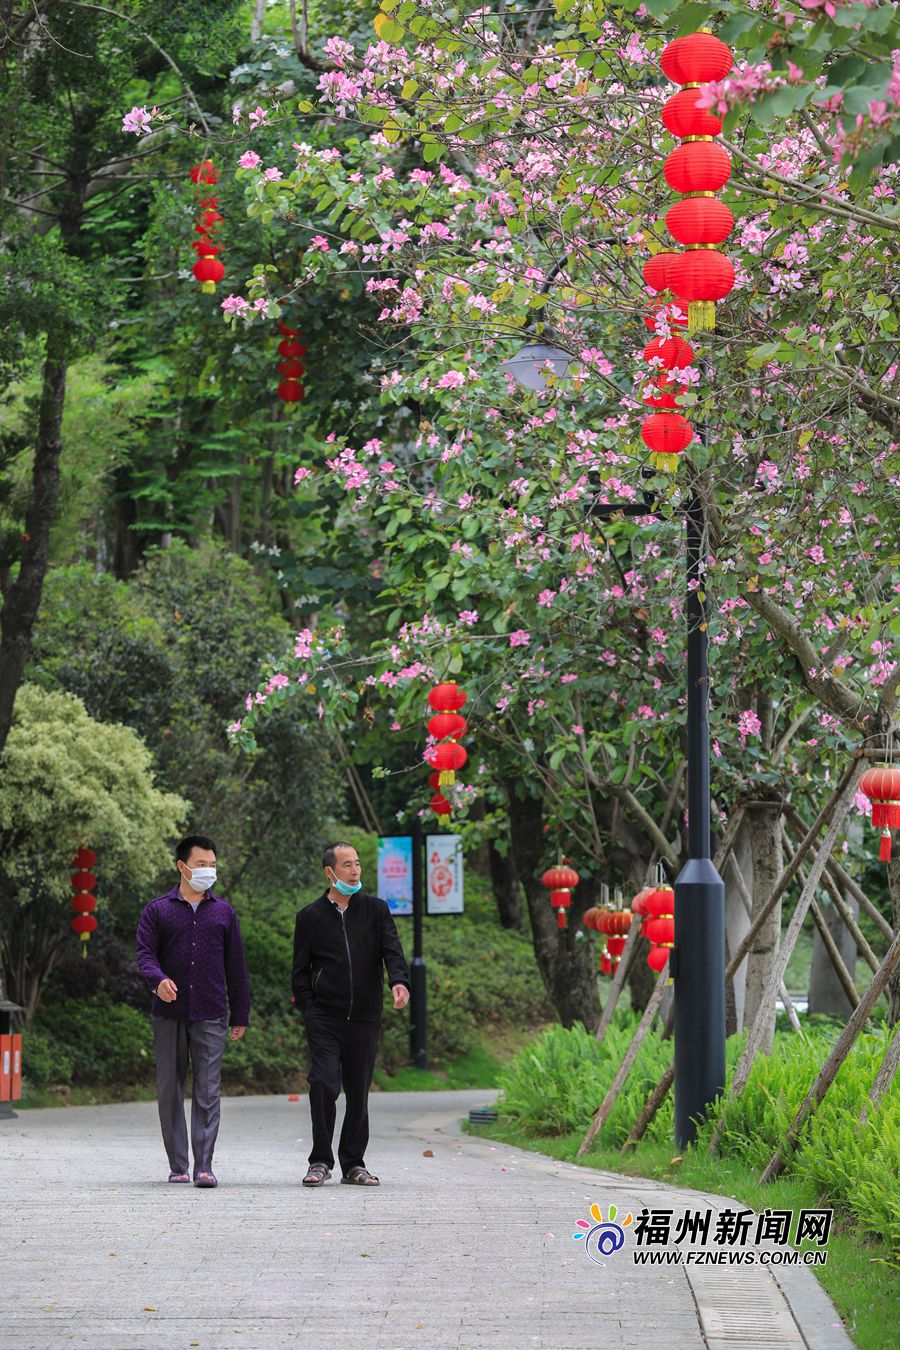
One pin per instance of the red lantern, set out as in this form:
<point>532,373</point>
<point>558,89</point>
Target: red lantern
<point>606,966</point>
<point>291,391</point>
<point>697,166</point>
<point>704,276</point>
<point>208,271</point>
<point>447,758</point>
<point>447,724</point>
<point>655,309</point>
<point>590,917</point>
<point>83,904</point>
<point>656,271</point>
<point>439,805</point>
<point>661,931</point>
<point>666,435</point>
<point>447,697</point>
<point>659,900</point>
<point>289,348</point>
<point>83,881</point>
<point>204,173</point>
<point>657,958</point>
<point>434,780</point>
<point>637,904</point>
<point>661,395</point>
<point>674,353</point>
<point>84,924</point>
<point>698,58</point>
<point>615,946</point>
<point>84,859</point>
<point>683,118</point>
<point>560,881</point>
<point>288,332</point>
<point>698,220</point>
<point>291,370</point>
<point>881,784</point>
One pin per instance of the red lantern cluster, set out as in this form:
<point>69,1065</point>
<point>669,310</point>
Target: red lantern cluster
<point>698,168</point>
<point>446,726</point>
<point>208,269</point>
<point>560,882</point>
<point>290,367</point>
<point>667,433</point>
<point>881,784</point>
<point>656,906</point>
<point>83,882</point>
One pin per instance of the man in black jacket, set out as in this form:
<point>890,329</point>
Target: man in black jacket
<point>341,941</point>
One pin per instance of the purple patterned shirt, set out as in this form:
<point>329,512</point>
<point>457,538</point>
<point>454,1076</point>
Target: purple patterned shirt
<point>201,951</point>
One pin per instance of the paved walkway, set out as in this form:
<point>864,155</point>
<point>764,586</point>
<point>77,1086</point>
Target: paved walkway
<point>465,1245</point>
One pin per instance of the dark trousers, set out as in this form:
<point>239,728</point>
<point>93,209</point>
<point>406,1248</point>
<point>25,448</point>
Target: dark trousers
<point>176,1040</point>
<point>342,1055</point>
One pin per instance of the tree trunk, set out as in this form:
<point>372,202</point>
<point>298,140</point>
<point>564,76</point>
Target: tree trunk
<point>826,991</point>
<point>893,989</point>
<point>507,888</point>
<point>23,598</point>
<point>737,920</point>
<point>566,966</point>
<point>765,843</point>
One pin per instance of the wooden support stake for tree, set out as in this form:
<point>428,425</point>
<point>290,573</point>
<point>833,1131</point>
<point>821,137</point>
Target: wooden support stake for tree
<point>747,901</point>
<point>839,809</point>
<point>827,1073</point>
<point>884,1077</point>
<point>619,978</point>
<point>850,774</point>
<point>601,1115</point>
<point>843,878</point>
<point>651,1106</point>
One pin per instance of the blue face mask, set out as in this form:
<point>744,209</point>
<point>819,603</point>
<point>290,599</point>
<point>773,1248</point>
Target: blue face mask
<point>343,887</point>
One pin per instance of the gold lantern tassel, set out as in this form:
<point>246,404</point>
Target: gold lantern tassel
<point>665,463</point>
<point>208,287</point>
<point>445,778</point>
<point>84,943</point>
<point>701,316</point>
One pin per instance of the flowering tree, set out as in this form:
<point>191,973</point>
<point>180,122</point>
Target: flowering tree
<point>512,181</point>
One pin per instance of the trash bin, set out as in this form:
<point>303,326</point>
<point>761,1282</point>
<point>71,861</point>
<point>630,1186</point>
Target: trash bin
<point>10,1060</point>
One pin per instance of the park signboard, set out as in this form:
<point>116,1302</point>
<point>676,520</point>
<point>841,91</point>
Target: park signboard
<point>444,874</point>
<point>395,872</point>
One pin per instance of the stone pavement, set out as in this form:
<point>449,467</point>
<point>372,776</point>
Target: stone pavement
<point>466,1245</point>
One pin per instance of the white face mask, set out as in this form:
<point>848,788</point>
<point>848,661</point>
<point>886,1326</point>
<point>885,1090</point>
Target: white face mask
<point>202,878</point>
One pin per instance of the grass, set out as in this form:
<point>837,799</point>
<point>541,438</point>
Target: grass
<point>478,1067</point>
<point>859,1276</point>
<point>85,1096</point>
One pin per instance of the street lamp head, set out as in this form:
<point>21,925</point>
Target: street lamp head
<point>535,363</point>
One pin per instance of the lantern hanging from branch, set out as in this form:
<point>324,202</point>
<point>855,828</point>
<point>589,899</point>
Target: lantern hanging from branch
<point>560,882</point>
<point>83,902</point>
<point>208,269</point>
<point>881,784</point>
<point>658,911</point>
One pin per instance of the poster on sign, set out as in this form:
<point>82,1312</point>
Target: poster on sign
<point>395,880</point>
<point>444,874</point>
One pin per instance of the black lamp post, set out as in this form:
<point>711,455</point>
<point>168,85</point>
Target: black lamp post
<point>697,961</point>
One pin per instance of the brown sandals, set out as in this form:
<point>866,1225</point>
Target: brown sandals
<point>317,1175</point>
<point>358,1176</point>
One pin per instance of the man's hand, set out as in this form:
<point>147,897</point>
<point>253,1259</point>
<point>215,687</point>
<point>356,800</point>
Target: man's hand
<point>237,1033</point>
<point>401,995</point>
<point>167,990</point>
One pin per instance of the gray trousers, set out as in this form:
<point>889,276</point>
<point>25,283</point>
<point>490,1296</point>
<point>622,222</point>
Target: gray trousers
<point>177,1040</point>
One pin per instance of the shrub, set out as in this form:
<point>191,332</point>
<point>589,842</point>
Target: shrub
<point>104,1042</point>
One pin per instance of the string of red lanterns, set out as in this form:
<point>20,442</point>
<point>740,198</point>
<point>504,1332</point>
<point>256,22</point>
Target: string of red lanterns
<point>614,924</point>
<point>560,882</point>
<point>208,269</point>
<point>290,367</point>
<point>83,882</point>
<point>446,726</point>
<point>700,275</point>
<point>656,906</point>
<point>881,784</point>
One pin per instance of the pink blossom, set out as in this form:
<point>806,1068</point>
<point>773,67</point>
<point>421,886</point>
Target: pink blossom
<point>272,174</point>
<point>520,638</point>
<point>234,728</point>
<point>259,118</point>
<point>748,725</point>
<point>567,679</point>
<point>138,121</point>
<point>469,617</point>
<point>453,379</point>
<point>301,473</point>
<point>320,242</point>
<point>249,159</point>
<point>546,598</point>
<point>577,729</point>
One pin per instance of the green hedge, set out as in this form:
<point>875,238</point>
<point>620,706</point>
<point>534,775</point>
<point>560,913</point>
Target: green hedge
<point>554,1086</point>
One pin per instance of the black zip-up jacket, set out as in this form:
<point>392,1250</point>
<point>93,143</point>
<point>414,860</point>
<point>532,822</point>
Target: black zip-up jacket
<point>338,957</point>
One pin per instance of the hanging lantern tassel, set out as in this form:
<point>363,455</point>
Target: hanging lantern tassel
<point>884,851</point>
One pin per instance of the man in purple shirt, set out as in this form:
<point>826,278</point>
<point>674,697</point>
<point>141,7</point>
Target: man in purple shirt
<point>189,951</point>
